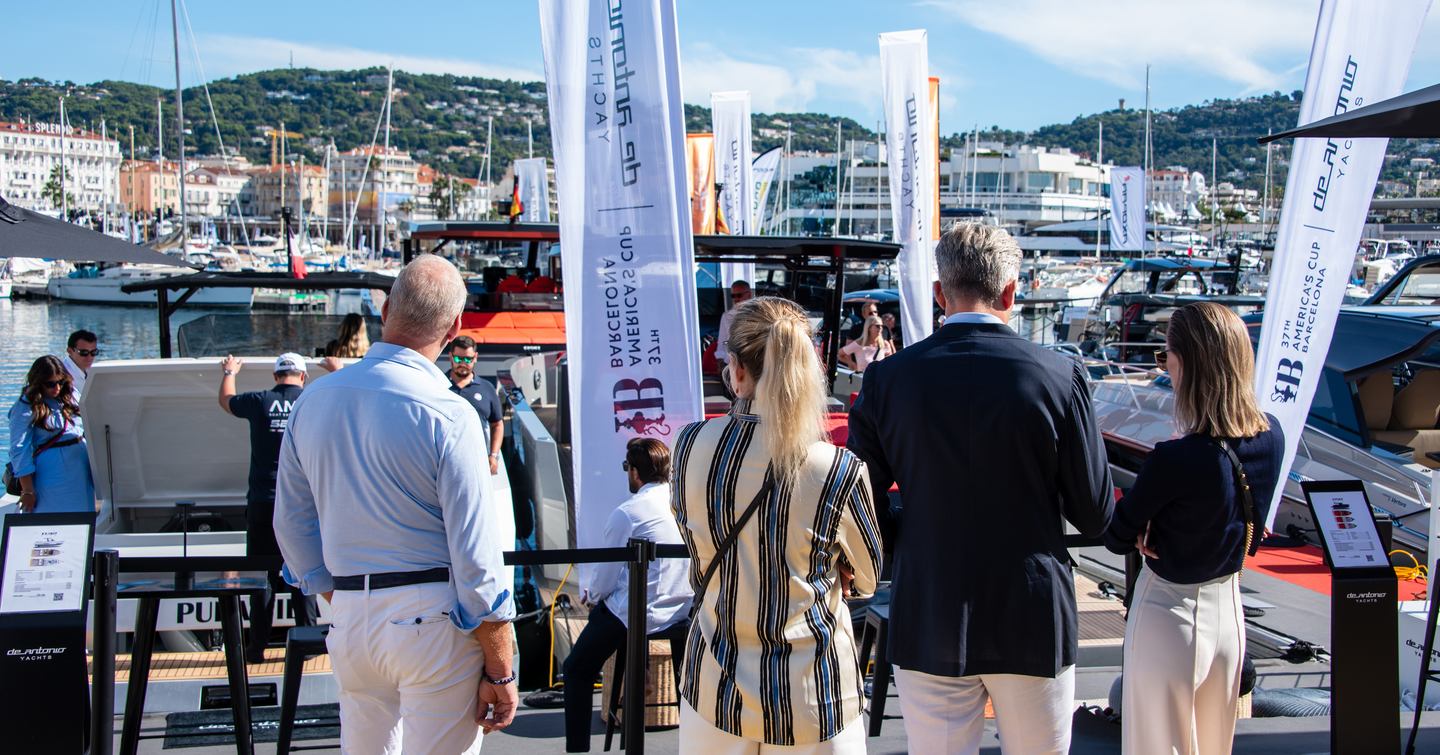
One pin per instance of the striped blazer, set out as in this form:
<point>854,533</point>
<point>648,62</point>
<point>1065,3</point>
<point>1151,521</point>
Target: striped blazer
<point>771,653</point>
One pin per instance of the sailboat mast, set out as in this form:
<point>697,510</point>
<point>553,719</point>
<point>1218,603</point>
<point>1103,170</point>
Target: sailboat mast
<point>489,138</point>
<point>179,118</point>
<point>383,231</point>
<point>530,135</point>
<point>1099,169</point>
<point>64,137</point>
<point>1214,166</point>
<point>1146,215</point>
<point>1265,204</point>
<point>839,131</point>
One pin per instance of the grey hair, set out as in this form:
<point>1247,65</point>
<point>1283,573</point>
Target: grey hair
<point>427,297</point>
<point>977,261</point>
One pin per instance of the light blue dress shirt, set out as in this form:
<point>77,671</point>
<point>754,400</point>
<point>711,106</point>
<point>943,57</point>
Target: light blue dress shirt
<point>384,469</point>
<point>973,318</point>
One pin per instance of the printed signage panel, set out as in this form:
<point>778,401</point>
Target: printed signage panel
<point>45,568</point>
<point>1346,525</point>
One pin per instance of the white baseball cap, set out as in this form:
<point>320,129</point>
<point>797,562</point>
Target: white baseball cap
<point>290,362</point>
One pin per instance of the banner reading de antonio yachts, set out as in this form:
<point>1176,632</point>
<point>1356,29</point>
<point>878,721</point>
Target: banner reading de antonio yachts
<point>1361,54</point>
<point>1127,209</point>
<point>632,332</point>
<point>905,69</point>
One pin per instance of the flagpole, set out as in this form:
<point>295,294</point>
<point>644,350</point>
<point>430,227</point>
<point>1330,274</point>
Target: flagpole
<point>1145,216</point>
<point>1099,170</point>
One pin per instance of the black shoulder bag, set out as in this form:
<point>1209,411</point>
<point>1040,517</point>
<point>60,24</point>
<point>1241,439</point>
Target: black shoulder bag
<point>1252,543</point>
<point>728,544</point>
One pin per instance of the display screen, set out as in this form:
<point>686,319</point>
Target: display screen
<point>1345,522</point>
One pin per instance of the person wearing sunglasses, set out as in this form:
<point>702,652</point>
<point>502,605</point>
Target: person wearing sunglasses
<point>740,292</point>
<point>47,443</point>
<point>81,349</point>
<point>644,515</point>
<point>268,413</point>
<point>480,394</point>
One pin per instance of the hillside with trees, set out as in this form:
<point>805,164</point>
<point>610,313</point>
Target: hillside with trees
<point>442,120</point>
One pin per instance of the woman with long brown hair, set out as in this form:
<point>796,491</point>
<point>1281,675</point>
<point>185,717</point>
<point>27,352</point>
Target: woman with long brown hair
<point>771,654</point>
<point>353,341</point>
<point>1197,508</point>
<point>47,443</point>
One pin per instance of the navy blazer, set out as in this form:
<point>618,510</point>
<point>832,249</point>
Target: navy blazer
<point>994,445</point>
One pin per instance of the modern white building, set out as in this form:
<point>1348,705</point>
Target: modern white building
<point>29,152</point>
<point>1021,186</point>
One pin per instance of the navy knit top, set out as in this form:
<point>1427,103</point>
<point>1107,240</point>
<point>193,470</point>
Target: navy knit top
<point>1188,494</point>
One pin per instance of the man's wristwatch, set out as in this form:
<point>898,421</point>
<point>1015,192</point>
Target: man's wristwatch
<point>499,682</point>
<point>228,373</point>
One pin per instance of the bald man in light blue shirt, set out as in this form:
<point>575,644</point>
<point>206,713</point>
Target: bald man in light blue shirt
<point>384,505</point>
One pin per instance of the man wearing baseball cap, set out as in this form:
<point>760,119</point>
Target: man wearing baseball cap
<point>268,412</point>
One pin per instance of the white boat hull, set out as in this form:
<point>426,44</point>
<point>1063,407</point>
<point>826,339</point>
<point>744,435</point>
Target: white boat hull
<point>107,291</point>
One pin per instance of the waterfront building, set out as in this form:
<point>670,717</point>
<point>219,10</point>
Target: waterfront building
<point>30,152</point>
<point>150,188</point>
<point>1021,186</point>
<point>392,178</point>
<point>275,186</point>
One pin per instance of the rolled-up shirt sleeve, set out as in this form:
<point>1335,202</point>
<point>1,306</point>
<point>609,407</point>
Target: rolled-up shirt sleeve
<point>297,525</point>
<point>468,508</point>
<point>22,440</point>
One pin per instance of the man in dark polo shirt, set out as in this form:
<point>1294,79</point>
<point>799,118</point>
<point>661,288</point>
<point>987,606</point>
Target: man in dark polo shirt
<point>481,395</point>
<point>268,412</point>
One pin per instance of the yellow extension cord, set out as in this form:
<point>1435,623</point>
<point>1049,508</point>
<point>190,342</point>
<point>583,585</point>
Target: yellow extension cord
<point>1414,573</point>
<point>553,601</point>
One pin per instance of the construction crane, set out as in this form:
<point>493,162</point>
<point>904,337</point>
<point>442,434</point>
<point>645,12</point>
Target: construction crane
<point>275,134</point>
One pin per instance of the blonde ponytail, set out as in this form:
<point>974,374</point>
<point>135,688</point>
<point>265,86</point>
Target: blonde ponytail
<point>772,338</point>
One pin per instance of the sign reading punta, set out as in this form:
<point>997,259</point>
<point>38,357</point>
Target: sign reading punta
<point>1359,56</point>
<point>612,73</point>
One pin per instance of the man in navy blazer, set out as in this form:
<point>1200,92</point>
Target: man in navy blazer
<point>993,443</point>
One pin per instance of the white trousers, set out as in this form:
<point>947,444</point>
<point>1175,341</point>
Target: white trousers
<point>700,736</point>
<point>408,678</point>
<point>946,714</point>
<point>1184,645</point>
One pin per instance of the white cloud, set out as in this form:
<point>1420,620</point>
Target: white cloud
<point>795,79</point>
<point>227,55</point>
<point>1254,45</point>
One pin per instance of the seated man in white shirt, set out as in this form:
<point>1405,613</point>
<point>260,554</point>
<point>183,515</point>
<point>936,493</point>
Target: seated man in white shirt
<point>646,515</point>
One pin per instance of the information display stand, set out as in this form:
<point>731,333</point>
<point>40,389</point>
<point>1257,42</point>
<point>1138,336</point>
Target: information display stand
<point>1364,620</point>
<point>44,578</point>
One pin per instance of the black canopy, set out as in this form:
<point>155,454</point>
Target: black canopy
<point>784,249</point>
<point>30,234</point>
<point>311,282</point>
<point>1413,115</point>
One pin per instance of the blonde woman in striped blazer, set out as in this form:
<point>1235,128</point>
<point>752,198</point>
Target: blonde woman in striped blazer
<point>770,664</point>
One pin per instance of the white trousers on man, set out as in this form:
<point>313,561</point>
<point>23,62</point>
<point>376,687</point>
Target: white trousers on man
<point>947,713</point>
<point>1183,648</point>
<point>699,736</point>
<point>408,678</point>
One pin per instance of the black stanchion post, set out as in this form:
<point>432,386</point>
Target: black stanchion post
<point>637,652</point>
<point>102,680</point>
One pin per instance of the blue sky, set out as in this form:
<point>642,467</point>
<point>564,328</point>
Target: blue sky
<point>1012,63</point>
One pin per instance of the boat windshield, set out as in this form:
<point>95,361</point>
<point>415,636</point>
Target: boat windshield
<point>1420,288</point>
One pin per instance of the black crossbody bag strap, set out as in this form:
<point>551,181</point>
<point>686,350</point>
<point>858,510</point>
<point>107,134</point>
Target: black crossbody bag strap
<point>1252,543</point>
<point>728,544</point>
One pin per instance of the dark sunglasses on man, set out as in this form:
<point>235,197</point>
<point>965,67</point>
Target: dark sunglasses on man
<point>87,352</point>
<point>462,360</point>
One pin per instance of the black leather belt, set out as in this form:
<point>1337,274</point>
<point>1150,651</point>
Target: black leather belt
<point>393,579</point>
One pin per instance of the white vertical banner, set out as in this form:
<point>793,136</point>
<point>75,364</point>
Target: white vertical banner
<point>764,171</point>
<point>1127,209</point>
<point>534,190</point>
<point>1361,55</point>
<point>612,73</point>
<point>730,120</point>
<point>905,69</point>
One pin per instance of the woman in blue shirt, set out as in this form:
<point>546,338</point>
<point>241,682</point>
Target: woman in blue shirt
<point>1185,634</point>
<point>47,443</point>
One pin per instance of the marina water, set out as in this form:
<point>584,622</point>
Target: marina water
<point>35,328</point>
